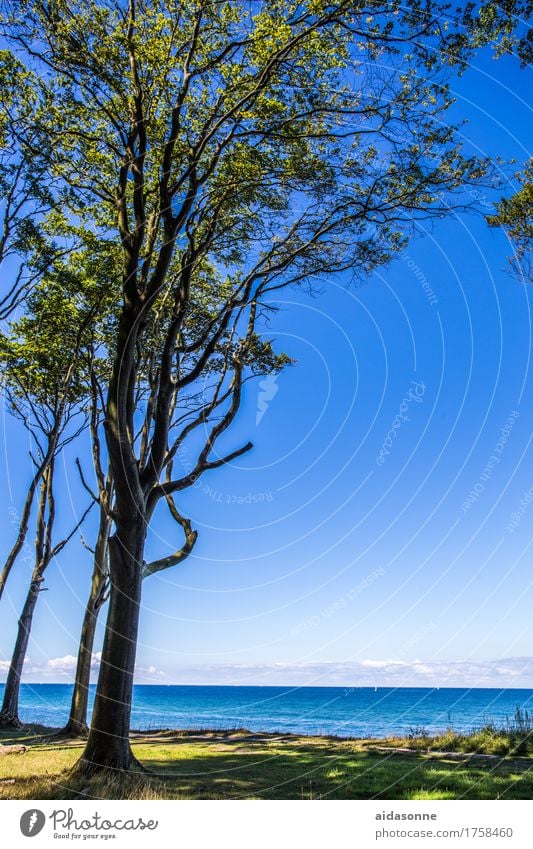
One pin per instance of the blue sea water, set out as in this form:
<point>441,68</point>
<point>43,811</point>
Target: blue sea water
<point>353,712</point>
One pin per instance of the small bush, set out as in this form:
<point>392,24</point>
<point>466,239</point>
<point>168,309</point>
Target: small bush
<point>415,732</point>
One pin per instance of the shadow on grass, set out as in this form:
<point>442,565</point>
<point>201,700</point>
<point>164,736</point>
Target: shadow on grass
<point>308,773</point>
<point>182,768</point>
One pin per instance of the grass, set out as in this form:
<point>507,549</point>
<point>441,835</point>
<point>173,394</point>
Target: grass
<point>231,765</point>
<point>514,738</point>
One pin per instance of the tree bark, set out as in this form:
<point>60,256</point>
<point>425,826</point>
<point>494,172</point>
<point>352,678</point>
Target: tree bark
<point>9,717</point>
<point>76,725</point>
<point>108,745</point>
<point>77,722</point>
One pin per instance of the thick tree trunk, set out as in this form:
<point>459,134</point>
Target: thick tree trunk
<point>9,717</point>
<point>108,744</point>
<point>77,722</point>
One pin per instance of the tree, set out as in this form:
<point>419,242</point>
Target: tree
<point>504,25</point>
<point>43,406</point>
<point>229,151</point>
<point>39,361</point>
<point>27,250</point>
<point>25,194</point>
<point>50,360</point>
<point>77,721</point>
<point>196,409</point>
<point>515,216</point>
<point>76,724</point>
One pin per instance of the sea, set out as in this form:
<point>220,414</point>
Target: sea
<point>342,711</point>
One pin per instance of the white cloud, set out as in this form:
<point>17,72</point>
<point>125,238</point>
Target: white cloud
<point>62,664</point>
<point>67,664</point>
<point>370,672</point>
<point>508,672</point>
<point>146,674</point>
<point>62,669</point>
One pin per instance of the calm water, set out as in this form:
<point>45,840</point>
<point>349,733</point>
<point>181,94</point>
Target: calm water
<point>359,712</point>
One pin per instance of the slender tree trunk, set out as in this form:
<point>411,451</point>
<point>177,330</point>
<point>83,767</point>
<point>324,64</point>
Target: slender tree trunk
<point>42,472</point>
<point>10,705</point>
<point>9,717</point>
<point>77,721</point>
<point>23,529</point>
<point>108,745</point>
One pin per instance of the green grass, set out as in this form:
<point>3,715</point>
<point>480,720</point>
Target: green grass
<point>514,738</point>
<point>215,765</point>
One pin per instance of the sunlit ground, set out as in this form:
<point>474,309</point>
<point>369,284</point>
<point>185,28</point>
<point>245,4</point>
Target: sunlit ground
<point>215,765</point>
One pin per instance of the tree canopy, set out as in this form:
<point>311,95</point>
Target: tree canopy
<point>515,216</point>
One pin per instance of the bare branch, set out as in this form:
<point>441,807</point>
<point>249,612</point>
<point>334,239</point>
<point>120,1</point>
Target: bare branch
<point>85,484</point>
<point>181,554</point>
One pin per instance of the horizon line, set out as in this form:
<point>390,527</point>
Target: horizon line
<point>284,686</point>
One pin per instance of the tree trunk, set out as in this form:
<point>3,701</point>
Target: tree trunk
<point>9,717</point>
<point>77,722</point>
<point>23,529</point>
<point>43,472</point>
<point>10,707</point>
<point>108,745</point>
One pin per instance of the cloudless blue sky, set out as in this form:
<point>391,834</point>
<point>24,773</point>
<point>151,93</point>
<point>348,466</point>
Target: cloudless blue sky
<point>315,562</point>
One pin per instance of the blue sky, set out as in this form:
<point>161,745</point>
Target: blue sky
<point>380,530</point>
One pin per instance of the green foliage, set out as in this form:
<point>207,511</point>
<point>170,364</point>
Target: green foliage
<point>504,25</point>
<point>515,216</point>
<point>280,109</point>
<point>24,195</point>
<point>68,313</point>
